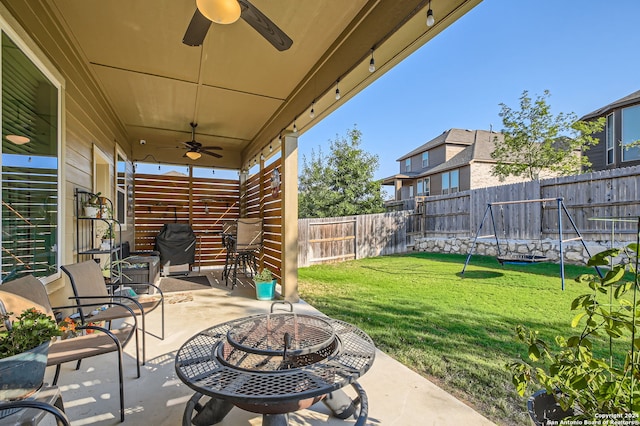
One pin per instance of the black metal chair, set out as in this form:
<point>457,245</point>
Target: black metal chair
<point>228,235</point>
<point>88,285</point>
<point>27,292</point>
<point>61,417</point>
<point>244,247</point>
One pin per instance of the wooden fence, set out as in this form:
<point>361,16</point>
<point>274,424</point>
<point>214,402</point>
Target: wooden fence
<point>326,240</point>
<point>205,203</point>
<point>606,194</point>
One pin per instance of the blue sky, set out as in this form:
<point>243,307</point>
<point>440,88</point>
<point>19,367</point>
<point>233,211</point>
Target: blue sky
<point>585,52</point>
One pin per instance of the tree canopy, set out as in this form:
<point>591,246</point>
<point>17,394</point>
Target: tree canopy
<point>536,141</point>
<point>342,183</point>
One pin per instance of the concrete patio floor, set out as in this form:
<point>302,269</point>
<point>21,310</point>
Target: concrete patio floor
<point>397,395</point>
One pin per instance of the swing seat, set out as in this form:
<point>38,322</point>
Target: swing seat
<point>521,259</point>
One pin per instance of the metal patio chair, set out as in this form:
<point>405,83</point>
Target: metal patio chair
<point>27,292</point>
<point>244,247</point>
<point>88,284</point>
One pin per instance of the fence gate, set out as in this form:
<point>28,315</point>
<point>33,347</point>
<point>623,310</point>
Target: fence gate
<point>331,240</point>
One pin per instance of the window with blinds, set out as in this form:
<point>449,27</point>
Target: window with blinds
<point>30,167</point>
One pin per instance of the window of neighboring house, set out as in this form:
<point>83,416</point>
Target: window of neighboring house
<point>425,160</point>
<point>427,185</point>
<point>420,189</point>
<point>407,165</point>
<point>609,135</point>
<point>411,191</point>
<point>31,150</point>
<point>454,181</point>
<point>445,183</point>
<point>450,182</point>
<point>630,133</point>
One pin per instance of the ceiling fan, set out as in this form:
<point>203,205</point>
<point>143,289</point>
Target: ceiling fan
<point>227,12</point>
<point>196,149</point>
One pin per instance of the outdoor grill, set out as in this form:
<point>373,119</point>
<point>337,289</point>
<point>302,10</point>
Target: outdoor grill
<point>176,243</point>
<point>274,364</point>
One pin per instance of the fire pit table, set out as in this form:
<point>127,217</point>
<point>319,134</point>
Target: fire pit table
<point>274,364</point>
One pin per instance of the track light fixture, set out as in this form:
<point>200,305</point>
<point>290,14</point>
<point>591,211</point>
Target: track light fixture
<point>312,113</point>
<point>295,128</point>
<point>337,90</point>
<point>430,19</point>
<point>372,63</point>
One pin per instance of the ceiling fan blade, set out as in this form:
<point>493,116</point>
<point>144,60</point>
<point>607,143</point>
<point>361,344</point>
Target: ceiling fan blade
<point>197,30</point>
<point>211,147</point>
<point>264,26</point>
<point>213,154</point>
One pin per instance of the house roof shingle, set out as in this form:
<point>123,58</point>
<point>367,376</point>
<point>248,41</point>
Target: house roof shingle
<point>633,98</point>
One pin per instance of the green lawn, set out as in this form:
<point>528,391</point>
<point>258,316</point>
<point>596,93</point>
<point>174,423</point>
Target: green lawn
<point>458,332</point>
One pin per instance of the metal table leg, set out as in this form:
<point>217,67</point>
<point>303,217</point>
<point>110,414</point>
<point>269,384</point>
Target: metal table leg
<point>211,413</point>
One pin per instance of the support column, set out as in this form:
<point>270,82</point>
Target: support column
<point>289,189</point>
<point>243,175</point>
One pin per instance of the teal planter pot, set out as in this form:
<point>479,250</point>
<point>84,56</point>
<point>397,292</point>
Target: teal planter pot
<point>23,374</point>
<point>265,290</point>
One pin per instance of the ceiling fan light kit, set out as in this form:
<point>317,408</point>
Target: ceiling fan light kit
<point>195,148</point>
<point>18,139</point>
<point>220,11</point>
<point>194,155</point>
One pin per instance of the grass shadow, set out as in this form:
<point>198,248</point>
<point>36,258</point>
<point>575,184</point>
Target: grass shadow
<point>480,274</point>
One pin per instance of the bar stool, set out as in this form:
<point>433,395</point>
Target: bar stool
<point>246,244</point>
<point>229,230</point>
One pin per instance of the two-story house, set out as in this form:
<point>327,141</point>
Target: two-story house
<point>456,160</point>
<point>622,127</point>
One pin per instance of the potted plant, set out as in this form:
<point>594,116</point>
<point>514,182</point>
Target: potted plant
<point>92,205</point>
<point>24,346</point>
<point>112,270</point>
<point>583,383</point>
<point>107,238</point>
<point>265,284</point>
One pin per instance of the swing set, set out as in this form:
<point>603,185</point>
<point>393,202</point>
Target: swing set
<point>506,257</point>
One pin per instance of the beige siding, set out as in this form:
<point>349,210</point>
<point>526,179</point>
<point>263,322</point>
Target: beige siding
<point>481,177</point>
<point>453,150</point>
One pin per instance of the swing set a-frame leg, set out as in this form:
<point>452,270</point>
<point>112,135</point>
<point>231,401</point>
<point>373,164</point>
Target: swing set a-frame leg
<point>475,240</point>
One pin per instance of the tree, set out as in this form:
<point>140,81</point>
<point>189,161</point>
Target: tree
<point>536,141</point>
<point>342,183</point>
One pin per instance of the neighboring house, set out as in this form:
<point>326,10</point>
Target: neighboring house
<point>621,129</point>
<point>456,160</point>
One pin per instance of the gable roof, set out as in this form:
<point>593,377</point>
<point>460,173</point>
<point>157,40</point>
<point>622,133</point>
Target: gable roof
<point>451,137</point>
<point>480,150</point>
<point>480,146</point>
<point>633,98</point>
